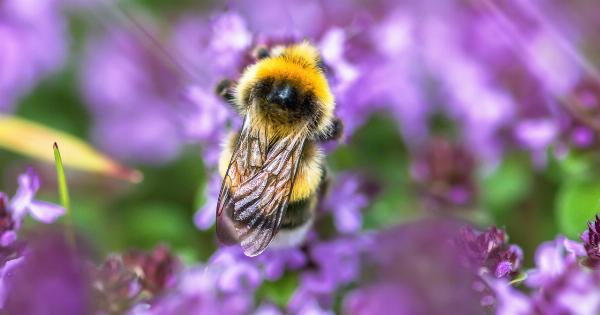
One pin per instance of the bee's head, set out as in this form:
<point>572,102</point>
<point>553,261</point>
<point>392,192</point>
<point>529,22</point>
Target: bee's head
<point>288,87</point>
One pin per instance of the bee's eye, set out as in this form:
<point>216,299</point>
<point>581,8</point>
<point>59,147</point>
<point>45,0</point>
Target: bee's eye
<point>283,94</point>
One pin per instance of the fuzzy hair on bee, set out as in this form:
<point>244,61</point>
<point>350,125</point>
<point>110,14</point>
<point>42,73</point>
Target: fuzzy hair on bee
<point>273,168</point>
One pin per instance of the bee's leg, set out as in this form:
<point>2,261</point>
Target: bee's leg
<point>334,133</point>
<point>225,91</point>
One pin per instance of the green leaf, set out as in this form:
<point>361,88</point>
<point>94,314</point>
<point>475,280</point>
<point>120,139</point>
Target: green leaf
<point>577,165</point>
<point>280,291</point>
<point>393,206</point>
<point>33,140</point>
<point>508,184</point>
<point>577,203</point>
<point>146,224</point>
<point>378,140</point>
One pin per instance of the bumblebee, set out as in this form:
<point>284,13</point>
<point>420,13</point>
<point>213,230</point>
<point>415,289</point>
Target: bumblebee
<point>273,169</point>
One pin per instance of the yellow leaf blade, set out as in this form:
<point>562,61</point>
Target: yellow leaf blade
<point>32,139</point>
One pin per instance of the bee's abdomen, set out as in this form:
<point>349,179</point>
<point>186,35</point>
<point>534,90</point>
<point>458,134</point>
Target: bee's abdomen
<point>298,213</point>
<point>310,173</point>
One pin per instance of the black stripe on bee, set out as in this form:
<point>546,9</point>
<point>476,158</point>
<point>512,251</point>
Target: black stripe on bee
<point>297,213</point>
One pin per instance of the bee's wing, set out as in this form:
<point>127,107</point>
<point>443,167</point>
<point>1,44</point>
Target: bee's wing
<point>256,189</point>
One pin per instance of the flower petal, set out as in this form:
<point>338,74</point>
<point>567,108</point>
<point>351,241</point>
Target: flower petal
<point>574,248</point>
<point>45,212</point>
<point>5,272</point>
<point>7,238</point>
<point>29,183</point>
<point>511,301</point>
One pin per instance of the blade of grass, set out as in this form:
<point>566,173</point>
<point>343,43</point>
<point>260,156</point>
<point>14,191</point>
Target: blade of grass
<point>63,191</point>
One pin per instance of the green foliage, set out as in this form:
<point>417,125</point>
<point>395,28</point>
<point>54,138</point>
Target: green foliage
<point>507,185</point>
<point>161,208</point>
<point>377,149</point>
<point>280,291</point>
<point>56,103</point>
<point>578,165</point>
<point>150,223</point>
<point>160,7</point>
<point>576,203</point>
<point>391,207</point>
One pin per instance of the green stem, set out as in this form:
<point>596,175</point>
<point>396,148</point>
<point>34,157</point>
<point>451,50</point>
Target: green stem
<point>63,191</point>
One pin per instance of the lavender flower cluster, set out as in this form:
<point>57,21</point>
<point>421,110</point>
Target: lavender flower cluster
<point>428,267</point>
<point>491,67</point>
<point>14,251</point>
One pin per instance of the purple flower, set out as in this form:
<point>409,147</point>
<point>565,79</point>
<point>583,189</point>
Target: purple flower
<point>234,274</point>
<point>114,287</point>
<point>6,273</point>
<point>230,38</point>
<point>489,250</point>
<point>51,279</point>
<point>382,299</point>
<point>537,135</point>
<point>591,242</point>
<point>275,19</point>
<point>444,172</point>
<point>335,264</point>
<point>470,95</point>
<point>156,269</point>
<point>349,196</point>
<point>225,285</point>
<point>205,216</point>
<point>552,260</point>
<point>133,277</point>
<point>267,309</point>
<point>133,95</point>
<point>560,284</point>
<point>206,119</point>
<point>217,46</point>
<point>8,224</point>
<point>275,261</point>
<point>546,56</point>
<point>33,44</point>
<point>417,262</point>
<point>23,202</point>
<point>579,126</point>
<point>509,300</point>
<point>13,211</point>
<point>11,215</point>
<point>369,76</point>
<point>313,308</point>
